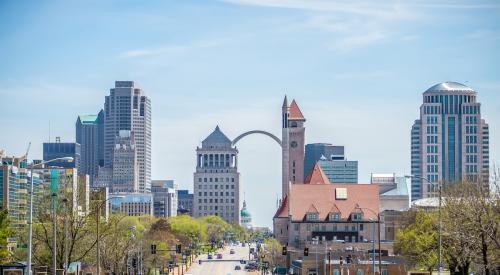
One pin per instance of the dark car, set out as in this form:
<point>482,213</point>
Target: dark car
<point>210,257</point>
<point>237,267</point>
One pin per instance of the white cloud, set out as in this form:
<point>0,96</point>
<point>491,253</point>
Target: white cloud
<point>171,49</point>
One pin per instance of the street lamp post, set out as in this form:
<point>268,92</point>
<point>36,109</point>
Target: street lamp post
<point>440,263</point>
<point>30,217</point>
<point>373,245</point>
<point>379,242</point>
<point>99,206</point>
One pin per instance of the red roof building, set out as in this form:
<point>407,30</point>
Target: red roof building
<point>318,208</point>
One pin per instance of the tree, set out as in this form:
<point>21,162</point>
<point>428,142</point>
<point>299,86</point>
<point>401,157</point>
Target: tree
<point>272,252</point>
<point>471,215</point>
<point>417,241</point>
<point>74,231</point>
<point>5,233</point>
<point>118,240</point>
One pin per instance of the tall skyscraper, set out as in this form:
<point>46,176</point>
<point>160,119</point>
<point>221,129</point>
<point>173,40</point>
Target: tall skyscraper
<point>58,149</point>
<point>127,108</point>
<point>217,180</point>
<point>293,141</point>
<point>450,141</point>
<point>90,136</point>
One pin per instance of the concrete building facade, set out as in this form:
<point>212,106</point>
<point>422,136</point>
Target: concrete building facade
<point>131,204</point>
<point>450,140</point>
<point>165,199</point>
<point>127,108</point>
<point>125,164</point>
<point>217,180</point>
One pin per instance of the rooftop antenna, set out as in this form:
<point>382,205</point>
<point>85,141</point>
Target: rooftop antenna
<point>49,130</point>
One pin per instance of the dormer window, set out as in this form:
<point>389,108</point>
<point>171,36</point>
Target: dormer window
<point>312,216</point>
<point>334,217</point>
<point>357,216</point>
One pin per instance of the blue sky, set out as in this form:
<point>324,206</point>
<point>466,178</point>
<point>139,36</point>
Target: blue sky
<point>357,70</point>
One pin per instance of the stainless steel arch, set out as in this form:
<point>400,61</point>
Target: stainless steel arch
<point>257,132</point>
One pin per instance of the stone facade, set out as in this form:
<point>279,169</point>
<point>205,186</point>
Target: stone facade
<point>216,180</point>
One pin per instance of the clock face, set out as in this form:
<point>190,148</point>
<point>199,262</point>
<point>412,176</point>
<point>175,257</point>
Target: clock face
<point>294,144</point>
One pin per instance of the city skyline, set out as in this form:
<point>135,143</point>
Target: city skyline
<point>346,93</point>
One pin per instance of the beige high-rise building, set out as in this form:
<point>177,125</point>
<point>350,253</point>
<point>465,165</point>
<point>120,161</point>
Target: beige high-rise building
<point>450,141</point>
<point>217,180</point>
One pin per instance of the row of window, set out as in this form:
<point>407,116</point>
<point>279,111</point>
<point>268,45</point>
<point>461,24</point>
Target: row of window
<point>216,207</point>
<point>334,228</point>
<point>215,179</point>
<point>471,168</point>
<point>432,119</point>
<point>471,149</point>
<point>471,139</point>
<point>214,194</point>
<point>432,129</point>
<point>432,158</point>
<point>215,186</point>
<point>215,200</point>
<point>471,158</point>
<point>432,169</point>
<point>471,119</point>
<point>471,129</point>
<point>433,110</point>
<point>311,216</point>
<point>432,149</point>
<point>432,139</point>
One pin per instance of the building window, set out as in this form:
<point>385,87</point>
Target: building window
<point>357,216</point>
<point>334,217</point>
<point>312,216</point>
<point>296,226</point>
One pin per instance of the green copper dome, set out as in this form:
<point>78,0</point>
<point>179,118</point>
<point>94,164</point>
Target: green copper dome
<point>244,212</point>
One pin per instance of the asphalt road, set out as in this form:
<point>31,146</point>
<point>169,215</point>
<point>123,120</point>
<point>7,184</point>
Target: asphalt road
<point>221,267</point>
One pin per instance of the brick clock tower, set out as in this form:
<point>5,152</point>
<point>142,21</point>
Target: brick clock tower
<point>293,144</point>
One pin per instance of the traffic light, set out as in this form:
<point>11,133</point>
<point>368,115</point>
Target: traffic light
<point>134,262</point>
<point>348,259</point>
<point>341,260</point>
<point>153,249</point>
<point>178,249</point>
<point>283,251</point>
<point>306,251</point>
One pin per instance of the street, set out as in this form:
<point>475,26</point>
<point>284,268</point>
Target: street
<point>224,266</point>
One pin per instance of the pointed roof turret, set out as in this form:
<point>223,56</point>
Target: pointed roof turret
<point>285,102</point>
<point>317,176</point>
<point>216,138</point>
<point>295,113</point>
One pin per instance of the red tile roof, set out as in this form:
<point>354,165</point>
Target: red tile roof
<point>295,113</point>
<point>317,176</point>
<point>282,211</point>
<point>302,196</point>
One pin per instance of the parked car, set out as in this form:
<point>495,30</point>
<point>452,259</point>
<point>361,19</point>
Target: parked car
<point>349,248</point>
<point>210,256</point>
<point>231,251</point>
<point>219,256</point>
<point>237,267</point>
